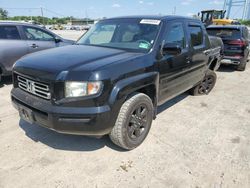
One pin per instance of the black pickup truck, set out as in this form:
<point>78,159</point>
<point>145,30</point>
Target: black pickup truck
<point>112,80</point>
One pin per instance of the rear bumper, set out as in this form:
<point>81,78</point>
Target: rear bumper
<point>232,60</point>
<point>95,121</point>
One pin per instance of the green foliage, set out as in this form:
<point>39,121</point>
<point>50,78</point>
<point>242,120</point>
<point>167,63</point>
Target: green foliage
<point>36,19</point>
<point>3,14</point>
<point>41,20</point>
<point>245,22</point>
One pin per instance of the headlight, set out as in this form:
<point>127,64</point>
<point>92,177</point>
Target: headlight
<point>80,89</point>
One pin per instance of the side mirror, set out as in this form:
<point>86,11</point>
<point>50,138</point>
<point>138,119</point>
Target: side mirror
<point>199,14</point>
<point>171,49</point>
<point>57,40</point>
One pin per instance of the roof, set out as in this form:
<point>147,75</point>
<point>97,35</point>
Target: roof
<point>15,22</point>
<point>210,10</point>
<point>226,26</point>
<point>156,17</point>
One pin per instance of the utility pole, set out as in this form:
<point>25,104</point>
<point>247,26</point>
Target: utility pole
<point>86,15</point>
<point>245,9</point>
<point>30,15</point>
<point>242,4</point>
<point>42,15</point>
<point>174,11</point>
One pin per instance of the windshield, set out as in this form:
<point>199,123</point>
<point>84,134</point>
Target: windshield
<point>128,34</point>
<point>218,15</point>
<point>224,33</point>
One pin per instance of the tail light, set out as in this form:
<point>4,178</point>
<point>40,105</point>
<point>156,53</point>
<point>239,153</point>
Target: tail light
<point>238,56</point>
<point>237,42</point>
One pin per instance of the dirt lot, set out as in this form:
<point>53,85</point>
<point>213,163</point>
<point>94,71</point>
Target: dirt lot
<point>194,142</point>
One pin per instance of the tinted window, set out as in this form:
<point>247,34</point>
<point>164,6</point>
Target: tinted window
<point>245,33</point>
<point>9,32</point>
<point>176,35</point>
<point>196,35</point>
<point>37,34</point>
<point>224,33</point>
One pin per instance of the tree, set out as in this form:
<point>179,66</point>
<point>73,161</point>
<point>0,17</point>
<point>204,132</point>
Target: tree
<point>3,14</point>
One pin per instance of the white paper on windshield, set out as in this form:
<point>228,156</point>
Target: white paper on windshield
<point>149,21</point>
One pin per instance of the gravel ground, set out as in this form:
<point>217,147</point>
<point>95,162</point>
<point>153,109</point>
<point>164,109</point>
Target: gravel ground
<point>194,142</point>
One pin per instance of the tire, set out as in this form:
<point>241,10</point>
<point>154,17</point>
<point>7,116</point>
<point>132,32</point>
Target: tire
<point>206,85</point>
<point>242,66</point>
<point>133,122</point>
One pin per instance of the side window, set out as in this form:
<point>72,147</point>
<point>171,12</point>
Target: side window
<point>196,35</point>
<point>245,33</point>
<point>176,35</point>
<point>37,34</point>
<point>9,32</point>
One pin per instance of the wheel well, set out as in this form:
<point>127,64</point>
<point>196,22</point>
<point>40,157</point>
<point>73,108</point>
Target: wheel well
<point>213,64</point>
<point>150,91</point>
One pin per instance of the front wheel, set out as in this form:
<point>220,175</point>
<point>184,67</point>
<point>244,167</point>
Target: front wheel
<point>206,85</point>
<point>133,122</point>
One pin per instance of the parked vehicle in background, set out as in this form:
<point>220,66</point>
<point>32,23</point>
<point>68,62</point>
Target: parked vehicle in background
<point>57,27</point>
<point>18,39</point>
<point>236,43</point>
<point>116,75</point>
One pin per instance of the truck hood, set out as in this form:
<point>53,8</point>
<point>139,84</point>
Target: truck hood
<point>52,64</point>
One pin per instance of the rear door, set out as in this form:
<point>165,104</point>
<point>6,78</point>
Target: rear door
<point>198,39</point>
<point>173,69</point>
<point>12,47</point>
<point>38,39</point>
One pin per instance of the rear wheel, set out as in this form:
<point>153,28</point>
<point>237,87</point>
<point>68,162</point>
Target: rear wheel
<point>206,85</point>
<point>242,66</point>
<point>133,122</point>
<point>0,75</point>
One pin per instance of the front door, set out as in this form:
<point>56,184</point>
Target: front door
<point>38,39</point>
<point>173,68</point>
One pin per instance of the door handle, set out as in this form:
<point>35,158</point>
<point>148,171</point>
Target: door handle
<point>188,59</point>
<point>207,52</point>
<point>34,46</point>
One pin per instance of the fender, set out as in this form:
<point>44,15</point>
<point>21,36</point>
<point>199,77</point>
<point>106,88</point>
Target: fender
<point>129,85</point>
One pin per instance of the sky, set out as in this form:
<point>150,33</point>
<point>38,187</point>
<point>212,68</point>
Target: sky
<point>110,8</point>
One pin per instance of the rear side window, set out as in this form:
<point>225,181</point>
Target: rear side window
<point>224,33</point>
<point>9,32</point>
<point>196,35</point>
<point>176,35</point>
<point>245,33</point>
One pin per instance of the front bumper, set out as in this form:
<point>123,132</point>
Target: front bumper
<point>95,121</point>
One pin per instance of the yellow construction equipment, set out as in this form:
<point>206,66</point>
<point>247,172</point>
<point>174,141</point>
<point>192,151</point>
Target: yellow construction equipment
<point>216,17</point>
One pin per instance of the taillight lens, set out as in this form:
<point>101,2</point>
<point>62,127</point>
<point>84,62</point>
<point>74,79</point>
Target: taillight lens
<point>237,42</point>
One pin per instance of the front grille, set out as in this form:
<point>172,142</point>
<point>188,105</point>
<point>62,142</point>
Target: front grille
<point>36,88</point>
